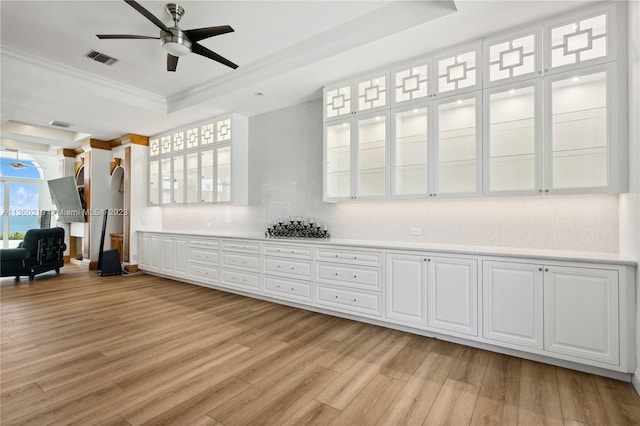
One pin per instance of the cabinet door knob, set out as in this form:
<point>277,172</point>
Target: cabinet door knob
<point>355,300</point>
<point>540,269</point>
<point>546,269</point>
<point>336,297</point>
<point>336,274</point>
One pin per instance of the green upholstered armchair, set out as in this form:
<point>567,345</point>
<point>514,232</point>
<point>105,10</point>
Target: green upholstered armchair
<point>41,250</point>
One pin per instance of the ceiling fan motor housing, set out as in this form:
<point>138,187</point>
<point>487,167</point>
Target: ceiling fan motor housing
<point>175,42</point>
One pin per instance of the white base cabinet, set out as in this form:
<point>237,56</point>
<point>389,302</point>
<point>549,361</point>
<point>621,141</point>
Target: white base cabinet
<point>570,313</point>
<point>512,300</point>
<point>581,313</point>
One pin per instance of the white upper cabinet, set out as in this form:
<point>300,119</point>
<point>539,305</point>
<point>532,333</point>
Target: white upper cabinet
<point>205,162</point>
<point>364,94</point>
<point>457,144</point>
<point>581,39</point>
<point>580,150</point>
<point>539,110</point>
<point>356,158</point>
<point>512,58</point>
<point>513,139</point>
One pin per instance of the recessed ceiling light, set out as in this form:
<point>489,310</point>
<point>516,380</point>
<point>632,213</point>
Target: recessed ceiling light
<point>512,91</point>
<point>575,79</point>
<point>259,94</point>
<point>60,124</point>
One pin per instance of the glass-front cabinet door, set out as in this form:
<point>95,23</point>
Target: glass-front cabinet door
<point>166,189</point>
<point>223,161</point>
<point>154,182</point>
<point>338,137</point>
<point>410,152</point>
<point>207,176</point>
<point>512,58</point>
<point>577,137</point>
<point>410,82</point>
<point>513,151</point>
<point>192,178</point>
<point>371,141</point>
<point>458,145</point>
<point>178,179</point>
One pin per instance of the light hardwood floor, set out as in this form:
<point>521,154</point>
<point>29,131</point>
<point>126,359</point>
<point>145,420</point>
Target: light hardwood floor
<point>129,350</point>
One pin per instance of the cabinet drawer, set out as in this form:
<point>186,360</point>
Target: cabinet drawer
<point>354,257</point>
<point>241,246</point>
<point>287,288</point>
<point>241,280</point>
<point>368,278</point>
<point>204,244</point>
<point>204,256</point>
<point>288,251</point>
<point>288,267</point>
<point>240,261</point>
<point>352,300</point>
<point>198,271</point>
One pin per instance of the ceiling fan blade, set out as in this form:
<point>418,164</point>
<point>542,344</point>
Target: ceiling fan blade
<point>202,33</point>
<point>172,62</point>
<point>203,51</point>
<point>144,12</point>
<point>124,36</point>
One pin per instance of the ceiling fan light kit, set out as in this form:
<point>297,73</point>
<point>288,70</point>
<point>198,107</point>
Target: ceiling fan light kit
<point>175,41</point>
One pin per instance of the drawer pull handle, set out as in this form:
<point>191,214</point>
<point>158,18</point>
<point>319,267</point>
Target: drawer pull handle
<point>355,257</point>
<point>293,268</point>
<point>292,289</point>
<point>292,251</point>
<point>355,276</point>
<point>336,274</point>
<point>278,285</point>
<point>278,250</point>
<point>336,297</point>
<point>355,300</point>
<point>277,266</point>
<point>336,255</point>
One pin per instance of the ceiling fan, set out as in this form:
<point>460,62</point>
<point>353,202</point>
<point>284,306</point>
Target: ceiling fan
<point>19,165</point>
<point>175,41</point>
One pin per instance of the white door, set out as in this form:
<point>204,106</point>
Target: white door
<point>168,255</point>
<point>581,313</point>
<point>406,289</point>
<point>181,249</point>
<point>452,292</point>
<point>512,303</point>
<point>155,258</point>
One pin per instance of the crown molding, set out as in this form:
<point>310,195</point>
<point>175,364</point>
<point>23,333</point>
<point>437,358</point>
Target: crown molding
<point>140,97</point>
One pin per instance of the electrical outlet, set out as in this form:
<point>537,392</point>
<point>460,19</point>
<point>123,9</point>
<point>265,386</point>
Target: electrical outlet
<point>416,231</point>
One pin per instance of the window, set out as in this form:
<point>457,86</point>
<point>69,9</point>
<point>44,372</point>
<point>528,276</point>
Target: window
<point>20,184</point>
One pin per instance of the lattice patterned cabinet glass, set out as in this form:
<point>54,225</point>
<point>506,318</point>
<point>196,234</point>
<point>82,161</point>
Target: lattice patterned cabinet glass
<point>457,72</point>
<point>411,83</point>
<point>206,134</point>
<point>512,58</point>
<point>223,130</point>
<point>512,140</point>
<point>338,167</point>
<point>178,141</point>
<point>165,144</point>
<point>154,147</point>
<point>457,149</point>
<point>579,41</point>
<point>207,176</point>
<point>372,157</point>
<point>192,138</point>
<point>579,131</point>
<point>338,102</point>
<point>372,93</point>
<point>411,152</point>
<point>224,173</point>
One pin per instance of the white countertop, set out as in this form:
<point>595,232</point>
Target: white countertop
<point>472,250</point>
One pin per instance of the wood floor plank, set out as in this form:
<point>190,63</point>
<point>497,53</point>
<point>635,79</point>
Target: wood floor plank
<point>497,402</point>
<point>539,397</point>
<point>454,404</point>
<point>372,401</point>
<point>580,399</point>
<point>80,349</point>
